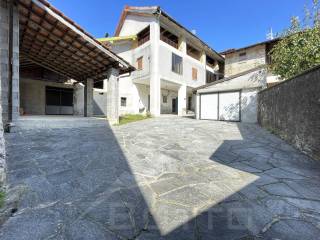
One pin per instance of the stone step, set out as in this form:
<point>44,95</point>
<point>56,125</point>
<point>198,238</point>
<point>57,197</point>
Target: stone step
<point>42,122</point>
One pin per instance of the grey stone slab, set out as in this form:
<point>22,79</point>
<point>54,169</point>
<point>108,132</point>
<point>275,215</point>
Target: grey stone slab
<point>280,189</point>
<point>186,196</point>
<point>158,179</point>
<point>281,173</point>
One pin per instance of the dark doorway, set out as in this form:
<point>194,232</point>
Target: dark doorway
<point>189,103</point>
<point>59,101</point>
<point>174,105</point>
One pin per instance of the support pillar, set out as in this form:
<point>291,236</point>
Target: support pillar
<point>113,102</point>
<point>155,83</point>
<point>9,61</point>
<point>197,107</point>
<point>88,98</point>
<point>182,100</point>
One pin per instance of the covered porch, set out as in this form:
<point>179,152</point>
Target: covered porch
<point>49,65</point>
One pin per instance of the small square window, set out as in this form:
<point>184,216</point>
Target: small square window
<point>123,102</point>
<point>164,99</point>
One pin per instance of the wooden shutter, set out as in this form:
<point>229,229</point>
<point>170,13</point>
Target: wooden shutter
<point>140,63</point>
<point>194,74</point>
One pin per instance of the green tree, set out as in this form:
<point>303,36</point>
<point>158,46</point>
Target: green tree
<point>299,48</point>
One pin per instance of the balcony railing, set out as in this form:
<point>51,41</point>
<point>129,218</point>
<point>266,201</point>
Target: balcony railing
<point>143,40</point>
<point>194,55</point>
<point>169,41</point>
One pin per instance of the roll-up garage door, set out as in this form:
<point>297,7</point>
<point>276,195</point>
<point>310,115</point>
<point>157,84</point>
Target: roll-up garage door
<point>224,106</point>
<point>209,106</point>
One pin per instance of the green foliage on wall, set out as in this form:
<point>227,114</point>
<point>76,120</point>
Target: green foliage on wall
<point>299,49</point>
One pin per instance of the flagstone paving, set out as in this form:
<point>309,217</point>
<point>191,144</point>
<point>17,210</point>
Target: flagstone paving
<point>162,178</point>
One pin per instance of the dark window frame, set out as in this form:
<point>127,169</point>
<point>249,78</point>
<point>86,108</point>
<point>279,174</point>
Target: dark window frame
<point>164,99</point>
<point>140,63</point>
<point>123,101</point>
<point>177,64</point>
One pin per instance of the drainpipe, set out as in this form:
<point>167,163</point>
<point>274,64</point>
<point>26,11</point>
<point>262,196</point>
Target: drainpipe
<point>10,64</point>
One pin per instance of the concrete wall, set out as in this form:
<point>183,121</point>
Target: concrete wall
<point>291,110</point>
<point>256,56</point>
<point>33,96</point>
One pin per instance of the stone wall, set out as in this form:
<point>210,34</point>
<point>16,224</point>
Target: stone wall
<point>291,110</point>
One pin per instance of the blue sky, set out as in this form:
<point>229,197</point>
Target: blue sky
<point>222,24</point>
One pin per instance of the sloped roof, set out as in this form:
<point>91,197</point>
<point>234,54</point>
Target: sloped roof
<point>50,39</point>
<point>232,50</point>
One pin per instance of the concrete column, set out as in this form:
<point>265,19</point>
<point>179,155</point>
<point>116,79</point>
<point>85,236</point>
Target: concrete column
<point>113,96</point>
<point>182,100</point>
<point>5,65</point>
<point>88,97</point>
<point>155,82</point>
<point>183,45</point>
<point>197,107</point>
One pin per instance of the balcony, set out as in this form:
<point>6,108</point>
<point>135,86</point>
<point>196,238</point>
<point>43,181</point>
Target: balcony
<point>169,38</point>
<point>194,53</point>
<point>144,36</point>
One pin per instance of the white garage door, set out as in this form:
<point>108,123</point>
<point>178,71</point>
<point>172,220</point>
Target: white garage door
<point>209,106</point>
<point>228,109</point>
<point>229,106</point>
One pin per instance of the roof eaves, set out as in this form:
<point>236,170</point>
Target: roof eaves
<point>114,39</point>
<point>48,7</point>
<point>202,42</point>
<point>233,50</point>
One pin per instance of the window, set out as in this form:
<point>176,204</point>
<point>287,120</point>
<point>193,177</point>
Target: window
<point>242,56</point>
<point>194,74</point>
<point>123,102</point>
<point>140,63</point>
<point>98,85</point>
<point>164,99</point>
<point>176,64</point>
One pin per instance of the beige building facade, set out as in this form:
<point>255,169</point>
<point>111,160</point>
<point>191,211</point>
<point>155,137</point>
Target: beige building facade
<point>244,59</point>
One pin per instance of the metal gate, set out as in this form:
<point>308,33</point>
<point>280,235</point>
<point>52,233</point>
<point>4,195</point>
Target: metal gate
<point>59,101</point>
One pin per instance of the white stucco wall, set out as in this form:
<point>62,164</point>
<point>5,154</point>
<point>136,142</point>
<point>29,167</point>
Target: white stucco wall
<point>249,105</point>
<point>135,24</point>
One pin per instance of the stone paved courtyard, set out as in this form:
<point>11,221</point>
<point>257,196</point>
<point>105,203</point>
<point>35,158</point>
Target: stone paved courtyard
<point>164,178</point>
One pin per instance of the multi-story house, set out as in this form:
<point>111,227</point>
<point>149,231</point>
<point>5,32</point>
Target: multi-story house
<point>249,57</point>
<point>170,62</point>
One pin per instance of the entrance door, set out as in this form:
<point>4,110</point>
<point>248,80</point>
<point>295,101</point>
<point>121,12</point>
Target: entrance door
<point>59,101</point>
<point>174,105</point>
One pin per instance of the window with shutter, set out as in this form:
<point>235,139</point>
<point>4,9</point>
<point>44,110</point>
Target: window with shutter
<point>140,63</point>
<point>194,74</point>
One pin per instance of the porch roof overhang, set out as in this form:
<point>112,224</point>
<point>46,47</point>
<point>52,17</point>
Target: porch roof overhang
<point>50,39</point>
